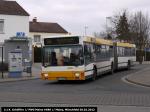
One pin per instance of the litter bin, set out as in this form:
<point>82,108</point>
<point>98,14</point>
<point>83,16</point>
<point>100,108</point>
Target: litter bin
<point>28,66</point>
<point>29,69</point>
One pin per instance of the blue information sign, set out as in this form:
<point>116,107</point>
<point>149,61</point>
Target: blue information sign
<point>20,34</point>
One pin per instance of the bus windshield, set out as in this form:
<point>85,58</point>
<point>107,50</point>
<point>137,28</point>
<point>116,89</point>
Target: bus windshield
<point>63,55</point>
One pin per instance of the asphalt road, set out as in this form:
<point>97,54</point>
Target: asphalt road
<point>108,90</point>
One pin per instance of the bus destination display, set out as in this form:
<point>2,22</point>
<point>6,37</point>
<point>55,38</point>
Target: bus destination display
<point>61,41</point>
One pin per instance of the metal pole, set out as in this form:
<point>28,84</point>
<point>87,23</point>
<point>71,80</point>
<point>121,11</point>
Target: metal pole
<point>106,26</point>
<point>2,64</point>
<point>145,54</point>
<point>85,28</point>
<point>107,18</point>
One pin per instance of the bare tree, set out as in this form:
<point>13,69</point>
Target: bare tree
<point>140,30</point>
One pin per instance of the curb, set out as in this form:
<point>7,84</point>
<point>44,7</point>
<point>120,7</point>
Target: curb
<point>127,78</point>
<point>137,83</point>
<point>15,80</point>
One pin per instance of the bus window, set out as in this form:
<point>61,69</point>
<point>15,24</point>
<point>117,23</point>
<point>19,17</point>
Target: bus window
<point>107,52</point>
<point>88,52</point>
<point>121,51</point>
<point>133,52</point>
<point>63,56</point>
<point>111,51</point>
<point>103,51</point>
<point>53,59</point>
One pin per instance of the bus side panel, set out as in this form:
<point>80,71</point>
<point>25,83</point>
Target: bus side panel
<point>103,66</point>
<point>123,61</point>
<point>133,60</point>
<point>89,70</point>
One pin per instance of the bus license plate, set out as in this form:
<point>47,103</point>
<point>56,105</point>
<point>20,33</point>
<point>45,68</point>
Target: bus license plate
<point>61,78</point>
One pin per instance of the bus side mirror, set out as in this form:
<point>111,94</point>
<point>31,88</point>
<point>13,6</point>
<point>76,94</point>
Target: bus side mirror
<point>82,60</point>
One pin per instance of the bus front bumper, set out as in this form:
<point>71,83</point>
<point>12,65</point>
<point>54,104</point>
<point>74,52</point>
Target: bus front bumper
<point>63,75</point>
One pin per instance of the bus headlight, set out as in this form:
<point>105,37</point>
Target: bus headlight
<point>77,74</point>
<point>45,75</point>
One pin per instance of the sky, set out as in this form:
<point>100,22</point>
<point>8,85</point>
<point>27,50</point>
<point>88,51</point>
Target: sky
<point>75,15</point>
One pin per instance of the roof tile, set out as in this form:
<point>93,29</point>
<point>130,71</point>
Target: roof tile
<point>12,8</point>
<point>44,27</point>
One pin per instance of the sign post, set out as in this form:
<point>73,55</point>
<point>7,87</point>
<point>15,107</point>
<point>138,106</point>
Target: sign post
<point>2,64</point>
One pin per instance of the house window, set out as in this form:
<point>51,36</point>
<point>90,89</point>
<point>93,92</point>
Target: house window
<point>1,26</point>
<point>37,38</point>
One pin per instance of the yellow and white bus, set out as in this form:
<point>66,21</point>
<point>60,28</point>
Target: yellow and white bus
<point>78,58</point>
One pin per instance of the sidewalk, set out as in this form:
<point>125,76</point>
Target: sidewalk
<point>36,70</point>
<point>140,78</point>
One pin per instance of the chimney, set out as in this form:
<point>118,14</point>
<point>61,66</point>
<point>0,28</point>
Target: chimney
<point>35,19</point>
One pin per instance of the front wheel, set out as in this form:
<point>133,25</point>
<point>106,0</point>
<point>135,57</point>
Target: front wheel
<point>94,74</point>
<point>112,68</point>
<point>129,65</point>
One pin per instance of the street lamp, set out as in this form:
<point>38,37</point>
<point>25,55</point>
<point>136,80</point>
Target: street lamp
<point>107,18</point>
<point>2,65</point>
<point>85,28</point>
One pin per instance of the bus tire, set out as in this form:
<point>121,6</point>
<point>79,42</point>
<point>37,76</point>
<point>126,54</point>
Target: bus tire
<point>129,65</point>
<point>112,68</point>
<point>94,74</point>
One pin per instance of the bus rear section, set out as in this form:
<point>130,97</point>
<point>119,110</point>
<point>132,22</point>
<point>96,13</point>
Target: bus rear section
<point>125,54</point>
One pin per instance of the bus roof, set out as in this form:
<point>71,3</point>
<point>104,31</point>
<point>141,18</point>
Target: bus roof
<point>121,44</point>
<point>98,41</point>
<point>91,39</point>
<point>61,36</point>
<point>103,41</point>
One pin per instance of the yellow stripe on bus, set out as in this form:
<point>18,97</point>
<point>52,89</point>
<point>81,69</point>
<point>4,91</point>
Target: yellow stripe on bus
<point>103,41</point>
<point>121,44</point>
<point>68,75</point>
<point>98,41</point>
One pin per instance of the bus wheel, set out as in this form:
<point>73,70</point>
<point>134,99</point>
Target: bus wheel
<point>112,68</point>
<point>94,74</point>
<point>129,65</point>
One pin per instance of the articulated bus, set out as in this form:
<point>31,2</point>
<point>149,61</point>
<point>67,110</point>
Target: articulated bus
<point>81,58</point>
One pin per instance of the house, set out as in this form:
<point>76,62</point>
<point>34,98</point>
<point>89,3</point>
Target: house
<point>39,30</point>
<point>14,20</point>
